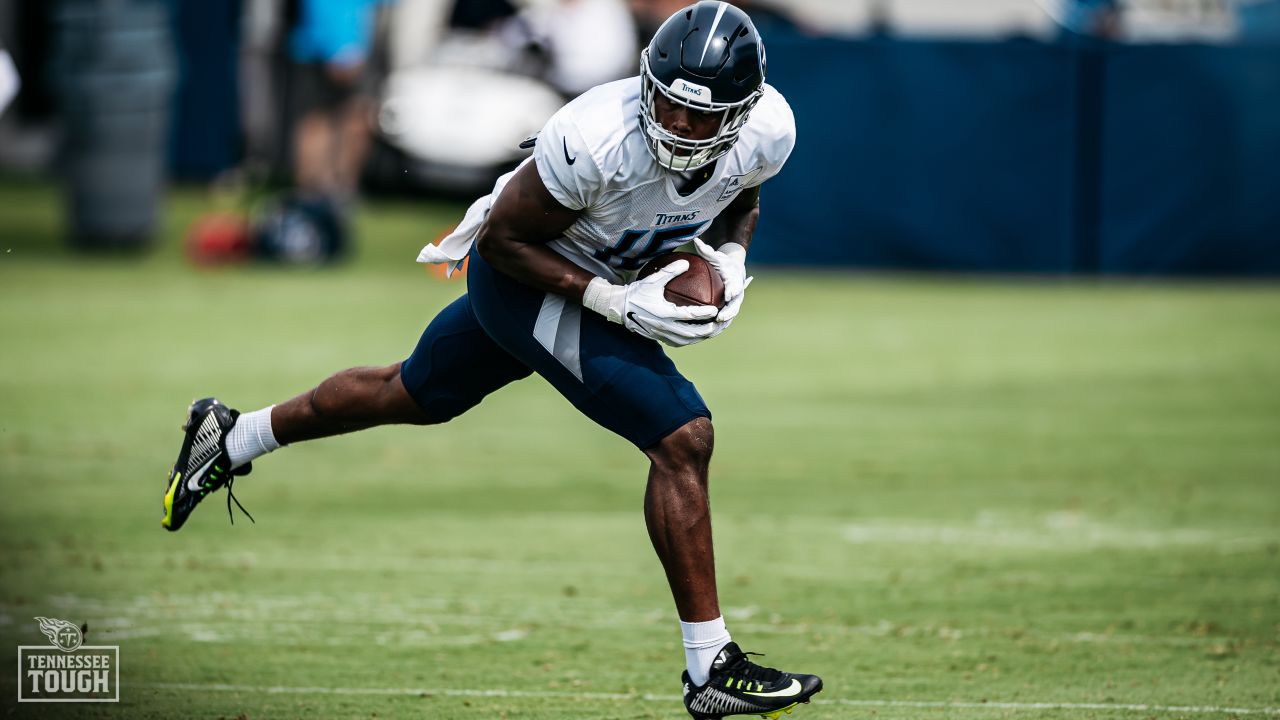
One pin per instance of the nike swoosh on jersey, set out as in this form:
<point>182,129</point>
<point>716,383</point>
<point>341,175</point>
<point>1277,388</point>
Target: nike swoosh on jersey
<point>193,482</point>
<point>570,160</point>
<point>793,689</point>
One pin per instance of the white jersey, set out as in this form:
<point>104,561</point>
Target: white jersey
<point>593,156</point>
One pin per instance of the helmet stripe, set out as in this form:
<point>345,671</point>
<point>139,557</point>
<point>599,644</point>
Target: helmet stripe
<point>712,35</point>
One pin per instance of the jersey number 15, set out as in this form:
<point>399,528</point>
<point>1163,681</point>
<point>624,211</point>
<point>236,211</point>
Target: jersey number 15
<point>629,253</point>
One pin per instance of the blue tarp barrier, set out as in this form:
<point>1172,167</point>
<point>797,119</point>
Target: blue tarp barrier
<point>206,136</point>
<point>1027,157</point>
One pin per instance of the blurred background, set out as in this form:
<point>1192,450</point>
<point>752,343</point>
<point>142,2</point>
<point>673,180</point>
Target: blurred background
<point>1043,136</point>
<point>997,433</point>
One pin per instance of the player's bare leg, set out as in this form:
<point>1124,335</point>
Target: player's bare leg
<point>354,399</point>
<point>314,140</point>
<point>720,679</point>
<point>678,515</point>
<point>220,442</point>
<point>354,135</point>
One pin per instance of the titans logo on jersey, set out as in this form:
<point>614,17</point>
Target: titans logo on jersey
<point>593,157</point>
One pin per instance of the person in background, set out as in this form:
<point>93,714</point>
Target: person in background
<point>1258,20</point>
<point>329,47</point>
<point>1092,18</point>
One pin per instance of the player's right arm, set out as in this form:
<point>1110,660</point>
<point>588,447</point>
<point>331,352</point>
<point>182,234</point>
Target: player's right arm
<point>514,236</point>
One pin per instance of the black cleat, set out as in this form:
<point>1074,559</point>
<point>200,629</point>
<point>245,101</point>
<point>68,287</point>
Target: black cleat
<point>203,465</point>
<point>738,686</point>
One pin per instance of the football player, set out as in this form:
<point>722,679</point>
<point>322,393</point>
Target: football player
<point>625,172</point>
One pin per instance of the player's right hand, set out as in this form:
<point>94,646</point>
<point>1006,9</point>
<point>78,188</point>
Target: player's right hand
<point>642,307</point>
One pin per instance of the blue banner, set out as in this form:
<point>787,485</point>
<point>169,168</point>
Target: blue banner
<point>1022,156</point>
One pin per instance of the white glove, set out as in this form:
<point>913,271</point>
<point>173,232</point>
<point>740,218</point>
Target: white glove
<point>730,260</point>
<point>642,308</point>
<point>722,325</point>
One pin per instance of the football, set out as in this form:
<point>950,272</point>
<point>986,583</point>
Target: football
<point>699,285</point>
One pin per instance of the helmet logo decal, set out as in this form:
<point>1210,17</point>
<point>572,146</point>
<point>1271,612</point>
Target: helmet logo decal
<point>691,91</point>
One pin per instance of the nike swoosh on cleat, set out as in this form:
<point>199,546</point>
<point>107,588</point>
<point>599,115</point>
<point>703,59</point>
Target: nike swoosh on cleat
<point>193,482</point>
<point>793,689</point>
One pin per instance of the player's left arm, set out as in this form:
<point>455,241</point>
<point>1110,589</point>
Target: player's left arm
<point>724,246</point>
<point>737,222</point>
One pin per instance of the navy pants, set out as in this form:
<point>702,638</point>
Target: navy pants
<point>502,331</point>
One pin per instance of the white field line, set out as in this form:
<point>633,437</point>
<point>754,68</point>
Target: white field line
<point>429,631</point>
<point>1063,531</point>
<point>1114,707</point>
<point>222,617</point>
<point>649,697</point>
<point>361,618</point>
<point>1055,535</point>
<point>405,564</point>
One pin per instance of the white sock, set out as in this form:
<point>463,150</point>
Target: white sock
<point>251,437</point>
<point>702,641</point>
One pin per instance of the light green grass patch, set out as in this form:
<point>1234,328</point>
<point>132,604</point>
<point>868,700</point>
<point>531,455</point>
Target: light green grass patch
<point>953,498</point>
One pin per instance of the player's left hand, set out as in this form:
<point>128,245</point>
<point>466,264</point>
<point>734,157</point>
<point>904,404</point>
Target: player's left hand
<point>719,326</point>
<point>730,260</point>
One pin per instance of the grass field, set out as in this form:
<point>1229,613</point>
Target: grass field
<point>952,498</point>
